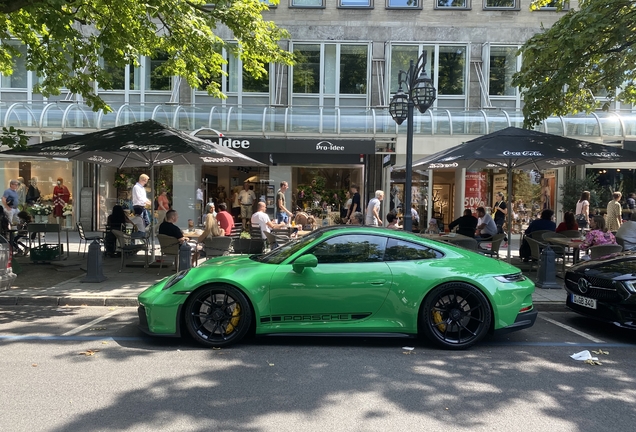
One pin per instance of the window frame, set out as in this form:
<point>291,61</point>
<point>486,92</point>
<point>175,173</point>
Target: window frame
<point>294,6</point>
<point>488,72</point>
<point>351,235</point>
<point>392,241</point>
<point>515,7</point>
<point>418,6</point>
<point>468,6</point>
<point>368,6</point>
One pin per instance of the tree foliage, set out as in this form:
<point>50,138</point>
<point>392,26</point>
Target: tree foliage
<point>588,49</point>
<point>573,187</point>
<point>66,40</point>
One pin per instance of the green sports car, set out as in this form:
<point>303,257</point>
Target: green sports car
<point>344,281</point>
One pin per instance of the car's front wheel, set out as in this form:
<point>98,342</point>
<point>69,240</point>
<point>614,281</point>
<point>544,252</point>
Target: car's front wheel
<point>217,315</point>
<point>455,315</point>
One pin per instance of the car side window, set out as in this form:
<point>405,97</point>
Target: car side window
<point>350,248</point>
<point>401,250</point>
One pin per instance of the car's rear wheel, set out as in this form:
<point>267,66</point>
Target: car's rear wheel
<point>218,315</point>
<point>455,315</point>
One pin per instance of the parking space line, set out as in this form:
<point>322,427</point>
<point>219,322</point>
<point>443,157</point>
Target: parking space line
<point>92,323</point>
<point>573,330</point>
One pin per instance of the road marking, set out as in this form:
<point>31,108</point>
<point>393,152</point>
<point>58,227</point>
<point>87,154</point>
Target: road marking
<point>573,330</point>
<point>92,323</point>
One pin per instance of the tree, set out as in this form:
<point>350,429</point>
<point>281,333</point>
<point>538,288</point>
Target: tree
<point>572,188</point>
<point>77,43</point>
<point>588,49</point>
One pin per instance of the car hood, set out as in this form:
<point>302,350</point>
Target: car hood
<point>622,266</point>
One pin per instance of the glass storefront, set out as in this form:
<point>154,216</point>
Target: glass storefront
<point>38,181</point>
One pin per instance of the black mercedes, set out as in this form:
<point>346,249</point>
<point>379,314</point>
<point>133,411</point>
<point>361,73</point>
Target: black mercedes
<point>604,289</point>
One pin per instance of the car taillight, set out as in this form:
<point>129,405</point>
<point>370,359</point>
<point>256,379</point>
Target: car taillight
<point>526,309</point>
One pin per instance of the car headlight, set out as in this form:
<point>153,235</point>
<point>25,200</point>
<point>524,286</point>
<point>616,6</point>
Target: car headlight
<point>630,285</point>
<point>175,279</point>
<point>517,277</point>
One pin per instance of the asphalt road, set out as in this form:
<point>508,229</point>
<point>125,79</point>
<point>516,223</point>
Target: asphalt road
<point>525,381</point>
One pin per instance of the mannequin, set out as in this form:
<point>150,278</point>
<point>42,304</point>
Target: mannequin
<point>22,191</point>
<point>61,196</point>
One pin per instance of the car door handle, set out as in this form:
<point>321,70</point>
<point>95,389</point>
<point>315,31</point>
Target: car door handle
<point>377,282</point>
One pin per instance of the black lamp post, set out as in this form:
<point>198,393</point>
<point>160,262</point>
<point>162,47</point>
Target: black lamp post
<point>420,93</point>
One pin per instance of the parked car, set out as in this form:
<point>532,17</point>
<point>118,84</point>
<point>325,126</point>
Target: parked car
<point>6,272</point>
<point>344,280</point>
<point>604,289</point>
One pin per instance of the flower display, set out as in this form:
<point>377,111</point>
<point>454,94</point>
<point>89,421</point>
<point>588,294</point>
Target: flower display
<point>41,209</point>
<point>67,210</point>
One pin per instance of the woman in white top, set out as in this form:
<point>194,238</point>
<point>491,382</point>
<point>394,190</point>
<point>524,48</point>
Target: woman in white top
<point>583,208</point>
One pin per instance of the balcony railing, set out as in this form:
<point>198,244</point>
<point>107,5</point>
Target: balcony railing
<point>52,119</point>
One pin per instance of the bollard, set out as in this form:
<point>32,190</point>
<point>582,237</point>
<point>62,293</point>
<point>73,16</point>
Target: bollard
<point>546,277</point>
<point>185,255</point>
<point>94,271</point>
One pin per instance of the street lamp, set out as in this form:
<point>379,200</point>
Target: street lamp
<point>420,93</point>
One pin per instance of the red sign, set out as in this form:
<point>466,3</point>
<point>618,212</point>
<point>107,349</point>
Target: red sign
<point>476,192</point>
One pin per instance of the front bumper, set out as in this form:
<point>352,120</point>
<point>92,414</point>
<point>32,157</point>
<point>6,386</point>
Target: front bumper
<point>613,313</point>
<point>524,320</point>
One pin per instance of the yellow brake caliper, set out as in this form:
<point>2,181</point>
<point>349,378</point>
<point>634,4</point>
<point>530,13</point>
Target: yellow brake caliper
<point>438,320</point>
<point>234,320</point>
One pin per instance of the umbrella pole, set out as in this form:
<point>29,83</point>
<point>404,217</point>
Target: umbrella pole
<point>152,212</point>
<point>509,213</point>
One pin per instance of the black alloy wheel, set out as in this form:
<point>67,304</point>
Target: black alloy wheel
<point>218,315</point>
<point>455,315</point>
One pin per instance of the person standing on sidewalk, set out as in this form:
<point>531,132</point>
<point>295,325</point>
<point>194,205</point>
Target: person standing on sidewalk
<point>614,213</point>
<point>10,200</point>
<point>246,198</point>
<point>140,199</point>
<point>373,210</point>
<point>282,214</point>
<point>355,202</point>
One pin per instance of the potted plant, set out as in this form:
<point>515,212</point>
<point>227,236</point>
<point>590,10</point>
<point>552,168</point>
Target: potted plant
<point>67,212</point>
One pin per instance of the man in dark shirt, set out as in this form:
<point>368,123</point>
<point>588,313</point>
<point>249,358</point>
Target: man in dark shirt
<point>169,228</point>
<point>355,202</point>
<point>466,225</point>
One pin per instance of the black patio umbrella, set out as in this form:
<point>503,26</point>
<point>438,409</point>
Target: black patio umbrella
<point>141,144</point>
<point>514,148</point>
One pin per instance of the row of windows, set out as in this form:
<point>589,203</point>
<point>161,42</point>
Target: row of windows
<point>412,4</point>
<point>324,69</point>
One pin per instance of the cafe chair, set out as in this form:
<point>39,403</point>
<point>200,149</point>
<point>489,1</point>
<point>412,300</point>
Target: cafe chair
<point>538,235</point>
<point>128,246</point>
<point>84,238</point>
<point>495,245</point>
<point>217,246</point>
<point>546,236</point>
<point>169,246</point>
<point>535,253</point>
<point>468,243</point>
<point>601,251</point>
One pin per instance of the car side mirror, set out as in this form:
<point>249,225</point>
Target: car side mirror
<point>305,261</point>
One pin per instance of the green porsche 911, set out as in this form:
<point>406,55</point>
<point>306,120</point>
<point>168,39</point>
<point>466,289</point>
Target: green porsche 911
<point>344,281</point>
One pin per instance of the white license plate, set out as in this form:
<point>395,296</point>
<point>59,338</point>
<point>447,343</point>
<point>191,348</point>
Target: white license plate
<point>584,301</point>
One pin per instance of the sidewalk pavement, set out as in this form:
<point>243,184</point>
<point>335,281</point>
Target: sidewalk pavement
<point>122,288</point>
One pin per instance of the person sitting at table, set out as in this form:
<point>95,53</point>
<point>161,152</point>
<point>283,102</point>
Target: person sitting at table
<point>356,218</point>
<point>433,227</point>
<point>568,224</point>
<point>627,233</point>
<point>117,220</point>
<point>211,228</point>
<point>304,221</point>
<point>598,235</point>
<point>544,223</point>
<point>393,221</point>
<point>261,219</point>
<point>486,227</point>
<point>466,224</point>
<point>139,223</point>
<point>169,227</point>
<point>226,221</point>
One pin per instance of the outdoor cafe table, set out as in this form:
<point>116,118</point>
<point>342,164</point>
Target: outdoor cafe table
<point>573,243</point>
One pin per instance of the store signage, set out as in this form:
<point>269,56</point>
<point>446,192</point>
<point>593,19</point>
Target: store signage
<point>234,143</point>
<point>327,146</point>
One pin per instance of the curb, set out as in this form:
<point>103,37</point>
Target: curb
<point>68,301</point>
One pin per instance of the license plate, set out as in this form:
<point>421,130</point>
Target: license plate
<point>584,301</point>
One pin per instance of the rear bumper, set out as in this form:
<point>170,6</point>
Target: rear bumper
<point>523,321</point>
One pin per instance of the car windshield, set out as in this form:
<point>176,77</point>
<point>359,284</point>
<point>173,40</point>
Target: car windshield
<point>281,253</point>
